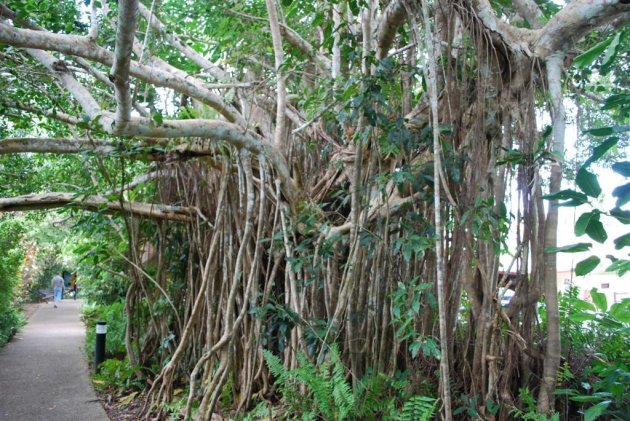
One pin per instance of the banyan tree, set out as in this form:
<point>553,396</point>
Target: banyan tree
<point>313,175</point>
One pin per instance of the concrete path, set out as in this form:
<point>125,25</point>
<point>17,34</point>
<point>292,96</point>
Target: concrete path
<point>43,371</point>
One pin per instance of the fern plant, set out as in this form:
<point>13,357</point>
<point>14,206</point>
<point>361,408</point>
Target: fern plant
<point>329,395</point>
<point>418,408</point>
<point>530,413</point>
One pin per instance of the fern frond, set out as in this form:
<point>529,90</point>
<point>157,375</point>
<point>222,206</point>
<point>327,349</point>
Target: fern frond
<point>276,367</point>
<point>418,408</point>
<point>316,383</point>
<point>341,390</point>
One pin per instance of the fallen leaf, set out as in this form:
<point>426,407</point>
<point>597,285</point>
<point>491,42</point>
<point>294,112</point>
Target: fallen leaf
<point>127,399</point>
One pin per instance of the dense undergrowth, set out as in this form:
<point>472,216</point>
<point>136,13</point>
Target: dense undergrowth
<point>11,255</point>
<point>594,382</point>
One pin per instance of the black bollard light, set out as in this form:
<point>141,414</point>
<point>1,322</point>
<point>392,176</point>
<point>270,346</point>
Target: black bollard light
<point>99,349</point>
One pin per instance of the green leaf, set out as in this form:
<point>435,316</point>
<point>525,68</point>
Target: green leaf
<point>607,131</point>
<point>157,118</point>
<point>588,223</point>
<point>595,411</point>
<point>414,348</point>
<point>610,323</point>
<point>585,398</point>
<point>622,216</point>
<point>564,392</point>
<point>623,241</point>
<point>589,56</point>
<point>596,231</point>
<point>600,131</point>
<point>616,101</point>
<point>601,149</point>
<point>581,317</point>
<point>586,266</point>
<point>622,193</point>
<point>572,248</point>
<point>573,203</point>
<point>407,253</point>
<point>611,53</point>
<point>622,168</point>
<point>599,299</point>
<point>621,311</point>
<point>582,305</point>
<point>620,266</point>
<point>587,182</point>
<point>576,197</point>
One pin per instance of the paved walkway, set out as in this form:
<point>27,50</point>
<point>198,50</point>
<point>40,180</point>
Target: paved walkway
<point>43,371</point>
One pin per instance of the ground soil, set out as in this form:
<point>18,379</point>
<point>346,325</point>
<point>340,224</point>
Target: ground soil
<point>119,411</point>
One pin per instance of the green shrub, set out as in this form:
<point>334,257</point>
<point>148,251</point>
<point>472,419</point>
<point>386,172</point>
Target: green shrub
<point>329,396</point>
<point>114,316</point>
<point>11,256</point>
<point>530,413</point>
<point>596,338</point>
<point>116,375</point>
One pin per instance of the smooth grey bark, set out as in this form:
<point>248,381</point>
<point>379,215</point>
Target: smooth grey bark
<point>550,287</point>
<point>393,16</point>
<point>431,75</point>
<point>125,34</point>
<point>280,138</point>
<point>95,203</point>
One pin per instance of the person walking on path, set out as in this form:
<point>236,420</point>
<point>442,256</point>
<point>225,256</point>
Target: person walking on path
<point>58,287</point>
<point>73,285</point>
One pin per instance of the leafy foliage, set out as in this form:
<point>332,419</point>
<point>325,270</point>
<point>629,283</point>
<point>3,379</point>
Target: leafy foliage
<point>595,340</point>
<point>11,255</point>
<point>114,316</point>
<point>418,408</point>
<point>332,396</point>
<point>589,222</point>
<point>530,413</point>
<point>116,375</point>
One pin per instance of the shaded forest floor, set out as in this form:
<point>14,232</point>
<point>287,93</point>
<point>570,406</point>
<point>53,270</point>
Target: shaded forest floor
<point>117,409</point>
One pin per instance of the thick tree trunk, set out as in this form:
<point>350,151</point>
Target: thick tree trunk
<point>552,353</point>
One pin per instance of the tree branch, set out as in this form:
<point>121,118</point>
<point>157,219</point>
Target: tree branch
<point>54,145</point>
<point>293,38</point>
<point>143,179</point>
<point>529,10</point>
<point>101,77</point>
<point>96,203</point>
<point>93,34</point>
<point>56,115</point>
<point>215,71</point>
<point>147,149</point>
<point>60,70</point>
<point>393,16</point>
<point>82,47</point>
<point>574,21</point>
<point>279,136</point>
<point>516,38</point>
<point>125,33</point>
<point>213,129</point>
